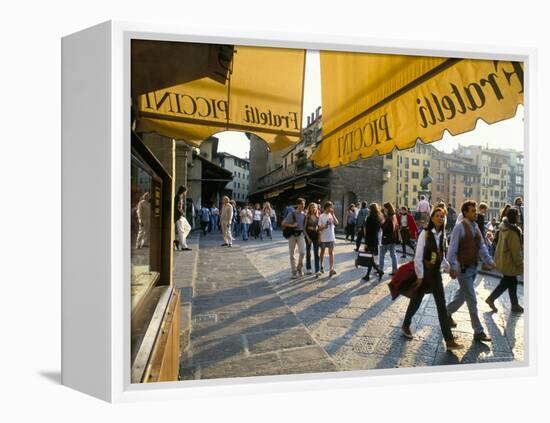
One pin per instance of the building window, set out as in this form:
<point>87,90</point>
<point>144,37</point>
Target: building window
<point>426,163</point>
<point>415,162</point>
<point>415,175</point>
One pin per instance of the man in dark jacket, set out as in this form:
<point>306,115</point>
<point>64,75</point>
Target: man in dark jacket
<point>451,217</point>
<point>481,220</point>
<point>361,217</point>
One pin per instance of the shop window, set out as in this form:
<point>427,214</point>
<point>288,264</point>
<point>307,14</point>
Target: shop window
<point>146,211</point>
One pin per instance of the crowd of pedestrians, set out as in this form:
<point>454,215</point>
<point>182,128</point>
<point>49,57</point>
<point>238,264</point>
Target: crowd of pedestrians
<point>250,220</point>
<point>439,239</point>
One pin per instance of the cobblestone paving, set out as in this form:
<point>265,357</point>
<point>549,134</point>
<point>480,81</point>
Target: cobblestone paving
<point>240,326</point>
<point>357,323</point>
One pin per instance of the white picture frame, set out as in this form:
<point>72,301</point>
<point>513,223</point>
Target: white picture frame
<point>95,153</point>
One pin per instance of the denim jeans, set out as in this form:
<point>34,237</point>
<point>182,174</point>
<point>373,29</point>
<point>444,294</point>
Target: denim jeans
<point>315,246</point>
<point>244,229</point>
<point>466,293</point>
<point>383,249</point>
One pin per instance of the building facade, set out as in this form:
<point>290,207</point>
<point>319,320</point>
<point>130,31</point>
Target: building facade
<point>403,172</point>
<point>240,168</point>
<point>494,168</point>
<point>456,179</point>
<point>516,183</point>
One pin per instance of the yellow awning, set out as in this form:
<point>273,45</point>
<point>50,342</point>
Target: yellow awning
<point>373,103</point>
<point>263,95</point>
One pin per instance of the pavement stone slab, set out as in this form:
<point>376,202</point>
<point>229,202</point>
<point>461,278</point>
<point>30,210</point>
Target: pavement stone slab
<point>259,365</point>
<point>275,340</point>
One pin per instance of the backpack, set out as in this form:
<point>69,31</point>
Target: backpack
<point>289,231</point>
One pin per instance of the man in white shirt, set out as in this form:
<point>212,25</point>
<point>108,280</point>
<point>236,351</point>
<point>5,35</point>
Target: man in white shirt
<point>424,209</point>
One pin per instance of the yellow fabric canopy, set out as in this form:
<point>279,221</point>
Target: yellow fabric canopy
<point>373,103</point>
<point>263,95</point>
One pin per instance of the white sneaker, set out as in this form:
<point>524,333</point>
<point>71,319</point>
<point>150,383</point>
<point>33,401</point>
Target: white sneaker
<point>294,275</point>
<point>301,273</point>
<point>309,272</point>
<point>318,274</point>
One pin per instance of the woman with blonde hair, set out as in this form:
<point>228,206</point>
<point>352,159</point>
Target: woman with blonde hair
<point>225,221</point>
<point>311,226</point>
<point>266,220</point>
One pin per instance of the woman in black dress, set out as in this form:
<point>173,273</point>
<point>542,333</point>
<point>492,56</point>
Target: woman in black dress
<point>371,228</point>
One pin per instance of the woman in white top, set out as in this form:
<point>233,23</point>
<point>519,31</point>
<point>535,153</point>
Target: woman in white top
<point>256,229</point>
<point>266,220</point>
<point>429,258</point>
<point>246,220</point>
<point>327,222</point>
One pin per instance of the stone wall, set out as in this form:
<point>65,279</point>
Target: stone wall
<point>358,181</point>
<point>258,161</point>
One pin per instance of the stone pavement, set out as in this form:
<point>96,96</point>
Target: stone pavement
<point>240,326</point>
<point>250,318</point>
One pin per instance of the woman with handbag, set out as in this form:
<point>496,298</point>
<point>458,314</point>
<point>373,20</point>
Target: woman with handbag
<point>428,258</point>
<point>371,229</point>
<point>266,221</point>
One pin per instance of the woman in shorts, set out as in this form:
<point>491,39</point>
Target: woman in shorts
<point>327,222</point>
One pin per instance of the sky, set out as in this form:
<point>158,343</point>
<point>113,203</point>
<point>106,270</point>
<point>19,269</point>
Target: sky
<point>507,134</point>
